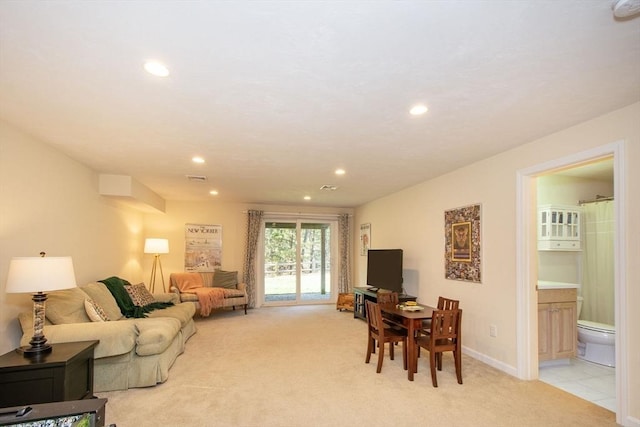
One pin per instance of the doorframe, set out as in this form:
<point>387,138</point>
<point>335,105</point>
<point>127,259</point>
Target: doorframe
<point>526,272</point>
<point>302,218</point>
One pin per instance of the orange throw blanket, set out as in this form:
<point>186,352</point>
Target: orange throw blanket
<point>209,298</point>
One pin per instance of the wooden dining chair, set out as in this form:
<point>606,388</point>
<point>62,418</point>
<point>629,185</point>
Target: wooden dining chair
<point>443,304</point>
<point>444,335</point>
<point>387,297</point>
<point>377,332</point>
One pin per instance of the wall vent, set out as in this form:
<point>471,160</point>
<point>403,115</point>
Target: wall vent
<point>197,178</point>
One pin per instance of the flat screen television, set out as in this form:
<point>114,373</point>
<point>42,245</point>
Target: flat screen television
<point>384,269</point>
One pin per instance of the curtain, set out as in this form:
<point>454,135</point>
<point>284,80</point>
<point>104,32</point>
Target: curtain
<point>598,289</point>
<point>344,236</point>
<point>254,225</point>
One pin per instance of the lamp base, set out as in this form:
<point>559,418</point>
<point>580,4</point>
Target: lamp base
<point>33,352</point>
<point>38,346</point>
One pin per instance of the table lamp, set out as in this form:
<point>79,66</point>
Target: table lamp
<point>156,247</point>
<point>39,275</point>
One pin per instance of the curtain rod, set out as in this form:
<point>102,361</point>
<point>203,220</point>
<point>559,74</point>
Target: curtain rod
<point>301,214</point>
<point>597,199</point>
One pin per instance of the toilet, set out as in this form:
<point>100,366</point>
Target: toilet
<point>596,341</point>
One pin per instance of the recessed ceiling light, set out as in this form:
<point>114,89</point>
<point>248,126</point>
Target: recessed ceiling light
<point>340,172</point>
<point>197,159</point>
<point>307,197</point>
<point>419,109</point>
<point>213,192</point>
<point>156,68</point>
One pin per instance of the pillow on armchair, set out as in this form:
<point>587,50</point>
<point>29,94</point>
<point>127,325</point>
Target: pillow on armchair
<point>225,279</point>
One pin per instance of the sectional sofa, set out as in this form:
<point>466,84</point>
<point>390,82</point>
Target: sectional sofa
<point>133,352</point>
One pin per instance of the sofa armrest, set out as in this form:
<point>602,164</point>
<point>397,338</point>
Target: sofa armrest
<point>168,297</point>
<point>116,338</point>
<point>242,287</point>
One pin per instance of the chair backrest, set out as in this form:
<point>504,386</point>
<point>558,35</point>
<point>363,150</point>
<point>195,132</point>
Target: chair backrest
<point>447,304</point>
<point>387,297</point>
<point>445,329</point>
<point>374,318</point>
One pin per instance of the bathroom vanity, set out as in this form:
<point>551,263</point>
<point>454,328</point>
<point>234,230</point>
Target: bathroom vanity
<point>557,320</point>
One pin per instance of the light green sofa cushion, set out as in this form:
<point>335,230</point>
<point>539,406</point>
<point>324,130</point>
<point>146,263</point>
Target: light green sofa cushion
<point>66,306</point>
<point>101,296</point>
<point>155,335</point>
<point>184,312</point>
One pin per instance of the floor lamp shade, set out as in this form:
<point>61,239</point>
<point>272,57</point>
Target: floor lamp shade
<point>156,247</point>
<point>39,275</point>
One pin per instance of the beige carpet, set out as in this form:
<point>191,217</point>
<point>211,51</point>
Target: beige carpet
<point>304,366</point>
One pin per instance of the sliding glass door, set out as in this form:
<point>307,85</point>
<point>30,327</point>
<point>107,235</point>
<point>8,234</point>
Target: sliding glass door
<point>297,262</point>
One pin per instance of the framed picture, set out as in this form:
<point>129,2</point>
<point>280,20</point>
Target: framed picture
<point>461,238</point>
<point>365,238</point>
<point>203,247</point>
<point>462,228</point>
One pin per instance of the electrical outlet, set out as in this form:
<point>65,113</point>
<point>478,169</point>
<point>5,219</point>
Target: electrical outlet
<point>493,331</point>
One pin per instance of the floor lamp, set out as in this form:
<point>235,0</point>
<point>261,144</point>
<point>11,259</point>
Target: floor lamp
<point>156,247</point>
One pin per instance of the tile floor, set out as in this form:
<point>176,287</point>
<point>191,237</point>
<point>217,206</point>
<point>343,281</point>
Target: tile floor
<point>590,381</point>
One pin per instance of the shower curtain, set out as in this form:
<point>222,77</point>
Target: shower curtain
<point>597,264</point>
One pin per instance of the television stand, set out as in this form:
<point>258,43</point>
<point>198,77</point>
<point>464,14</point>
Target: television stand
<point>363,294</point>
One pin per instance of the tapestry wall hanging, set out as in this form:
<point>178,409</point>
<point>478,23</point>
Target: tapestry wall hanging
<point>203,247</point>
<point>462,244</point>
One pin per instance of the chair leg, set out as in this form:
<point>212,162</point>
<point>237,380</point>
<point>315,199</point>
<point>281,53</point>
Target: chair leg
<point>432,363</point>
<point>380,357</point>
<point>391,350</point>
<point>439,360</point>
<point>404,354</point>
<point>458,359</point>
<point>370,346</point>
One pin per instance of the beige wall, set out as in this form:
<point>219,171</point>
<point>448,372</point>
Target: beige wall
<point>413,220</point>
<point>50,203</point>
<point>231,216</point>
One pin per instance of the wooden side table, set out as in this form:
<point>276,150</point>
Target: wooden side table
<point>66,373</point>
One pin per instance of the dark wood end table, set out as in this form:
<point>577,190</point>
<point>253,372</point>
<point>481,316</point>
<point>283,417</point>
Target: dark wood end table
<point>66,373</point>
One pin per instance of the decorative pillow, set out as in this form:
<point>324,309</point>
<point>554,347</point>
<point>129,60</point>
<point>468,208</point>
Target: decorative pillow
<point>139,294</point>
<point>101,295</point>
<point>94,311</point>
<point>67,306</point>
<point>225,279</point>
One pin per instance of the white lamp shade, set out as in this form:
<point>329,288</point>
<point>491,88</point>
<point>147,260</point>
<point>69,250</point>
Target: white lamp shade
<point>40,274</point>
<point>156,246</point>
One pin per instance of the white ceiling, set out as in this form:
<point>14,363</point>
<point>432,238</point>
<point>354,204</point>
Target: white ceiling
<point>277,95</point>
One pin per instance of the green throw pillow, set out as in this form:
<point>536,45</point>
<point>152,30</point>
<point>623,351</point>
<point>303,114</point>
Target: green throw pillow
<point>225,279</point>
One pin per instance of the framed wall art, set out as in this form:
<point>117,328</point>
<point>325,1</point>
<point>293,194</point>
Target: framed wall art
<point>203,247</point>
<point>365,238</point>
<point>462,228</point>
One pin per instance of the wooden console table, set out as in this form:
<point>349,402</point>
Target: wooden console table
<point>363,294</point>
<point>66,373</point>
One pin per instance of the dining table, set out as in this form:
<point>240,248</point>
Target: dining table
<point>410,319</point>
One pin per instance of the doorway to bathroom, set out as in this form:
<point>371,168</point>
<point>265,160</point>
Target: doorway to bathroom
<point>582,258</point>
<point>527,269</point>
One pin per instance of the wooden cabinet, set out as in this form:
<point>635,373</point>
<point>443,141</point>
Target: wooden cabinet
<point>363,294</point>
<point>557,324</point>
<point>559,228</point>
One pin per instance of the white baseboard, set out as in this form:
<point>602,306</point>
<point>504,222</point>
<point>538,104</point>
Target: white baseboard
<point>631,422</point>
<point>501,366</point>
